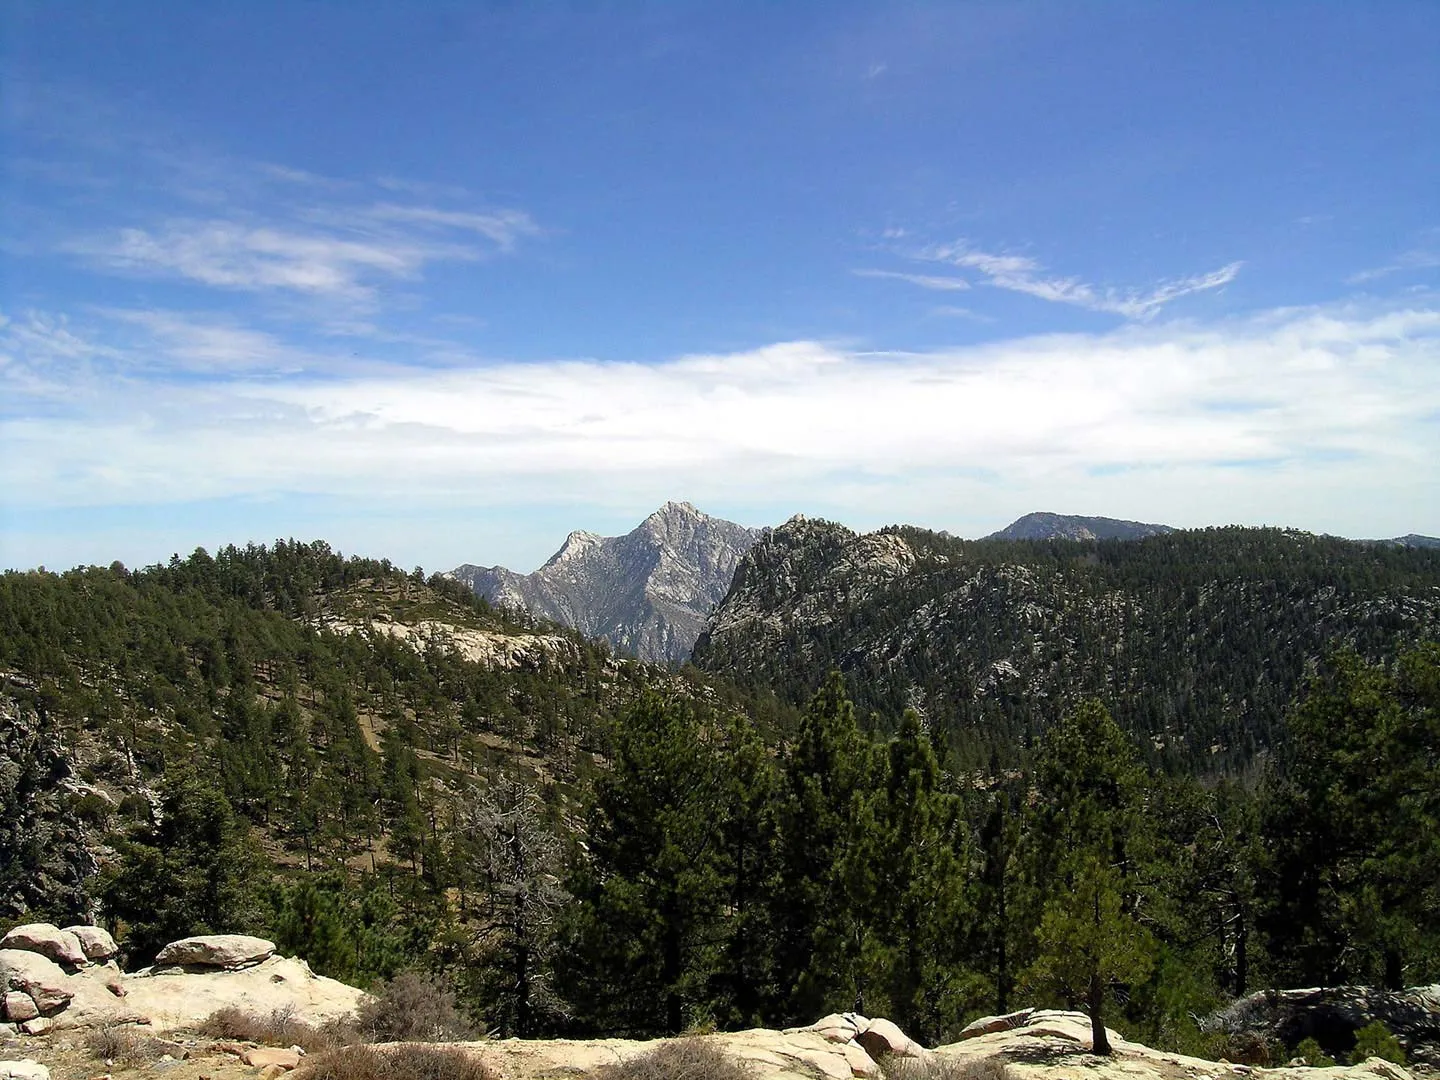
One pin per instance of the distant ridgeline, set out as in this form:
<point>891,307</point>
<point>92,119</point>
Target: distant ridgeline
<point>1197,640</point>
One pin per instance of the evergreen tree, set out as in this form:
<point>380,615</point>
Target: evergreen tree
<point>1353,825</point>
<point>651,893</point>
<point>1083,834</point>
<point>193,869</point>
<point>824,823</point>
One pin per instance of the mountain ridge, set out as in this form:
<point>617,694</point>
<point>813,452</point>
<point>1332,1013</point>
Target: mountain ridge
<point>1043,525</point>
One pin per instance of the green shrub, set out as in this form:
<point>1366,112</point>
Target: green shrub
<point>679,1059</point>
<point>1315,1057</point>
<point>1375,1040</point>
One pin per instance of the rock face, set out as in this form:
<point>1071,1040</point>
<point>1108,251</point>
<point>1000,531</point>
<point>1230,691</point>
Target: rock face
<point>216,950</point>
<point>1043,526</point>
<point>1332,1015</point>
<point>648,593</point>
<point>62,946</point>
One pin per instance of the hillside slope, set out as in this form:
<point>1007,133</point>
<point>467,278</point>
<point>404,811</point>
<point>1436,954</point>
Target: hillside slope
<point>647,593</point>
<point>1197,640</point>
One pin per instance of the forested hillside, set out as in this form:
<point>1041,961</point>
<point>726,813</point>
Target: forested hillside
<point>1197,640</point>
<point>381,773</point>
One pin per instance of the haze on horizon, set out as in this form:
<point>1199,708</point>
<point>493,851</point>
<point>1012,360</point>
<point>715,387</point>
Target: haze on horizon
<point>443,284</point>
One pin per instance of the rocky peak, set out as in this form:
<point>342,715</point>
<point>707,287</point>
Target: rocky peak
<point>647,592</point>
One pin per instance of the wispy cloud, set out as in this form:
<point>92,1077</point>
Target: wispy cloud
<point>504,227</point>
<point>333,252</point>
<point>1415,259</point>
<point>925,281</point>
<point>231,255</point>
<point>1023,274</point>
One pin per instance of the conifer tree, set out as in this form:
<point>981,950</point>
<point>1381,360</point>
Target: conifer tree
<point>651,892</point>
<point>1082,836</point>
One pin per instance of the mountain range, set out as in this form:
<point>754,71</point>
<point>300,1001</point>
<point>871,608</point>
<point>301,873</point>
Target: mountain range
<point>650,592</point>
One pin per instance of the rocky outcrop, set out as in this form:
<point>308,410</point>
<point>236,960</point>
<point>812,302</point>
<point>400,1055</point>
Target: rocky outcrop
<point>216,951</point>
<point>1332,1016</point>
<point>192,979</point>
<point>1043,526</point>
<point>647,593</point>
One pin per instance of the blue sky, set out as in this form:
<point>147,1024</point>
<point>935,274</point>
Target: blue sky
<point>443,282</point>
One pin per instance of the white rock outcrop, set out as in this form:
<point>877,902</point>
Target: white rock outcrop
<point>216,950</point>
<point>62,946</point>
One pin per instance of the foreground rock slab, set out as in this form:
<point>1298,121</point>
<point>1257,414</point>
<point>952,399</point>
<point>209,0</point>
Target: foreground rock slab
<point>774,1055</point>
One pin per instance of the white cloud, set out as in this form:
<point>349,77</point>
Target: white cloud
<point>1022,274</point>
<point>1310,414</point>
<point>925,281</point>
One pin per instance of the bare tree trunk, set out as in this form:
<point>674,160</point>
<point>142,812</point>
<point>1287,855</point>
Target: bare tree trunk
<point>1099,1038</point>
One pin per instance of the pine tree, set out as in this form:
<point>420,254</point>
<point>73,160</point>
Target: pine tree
<point>650,895</point>
<point>1083,834</point>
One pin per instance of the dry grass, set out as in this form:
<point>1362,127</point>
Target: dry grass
<point>124,1045</point>
<point>935,1067</point>
<point>405,1062</point>
<point>278,1028</point>
<point>681,1059</point>
<point>413,1008</point>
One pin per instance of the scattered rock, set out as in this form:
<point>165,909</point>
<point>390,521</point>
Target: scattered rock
<point>38,976</point>
<point>216,950</point>
<point>883,1037</point>
<point>20,1006</point>
<point>270,1072</point>
<point>838,1027</point>
<point>24,1069</point>
<point>271,1055</point>
<point>96,941</point>
<point>59,945</point>
<point>987,1025</point>
<point>41,1025</point>
<point>8,1030</point>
